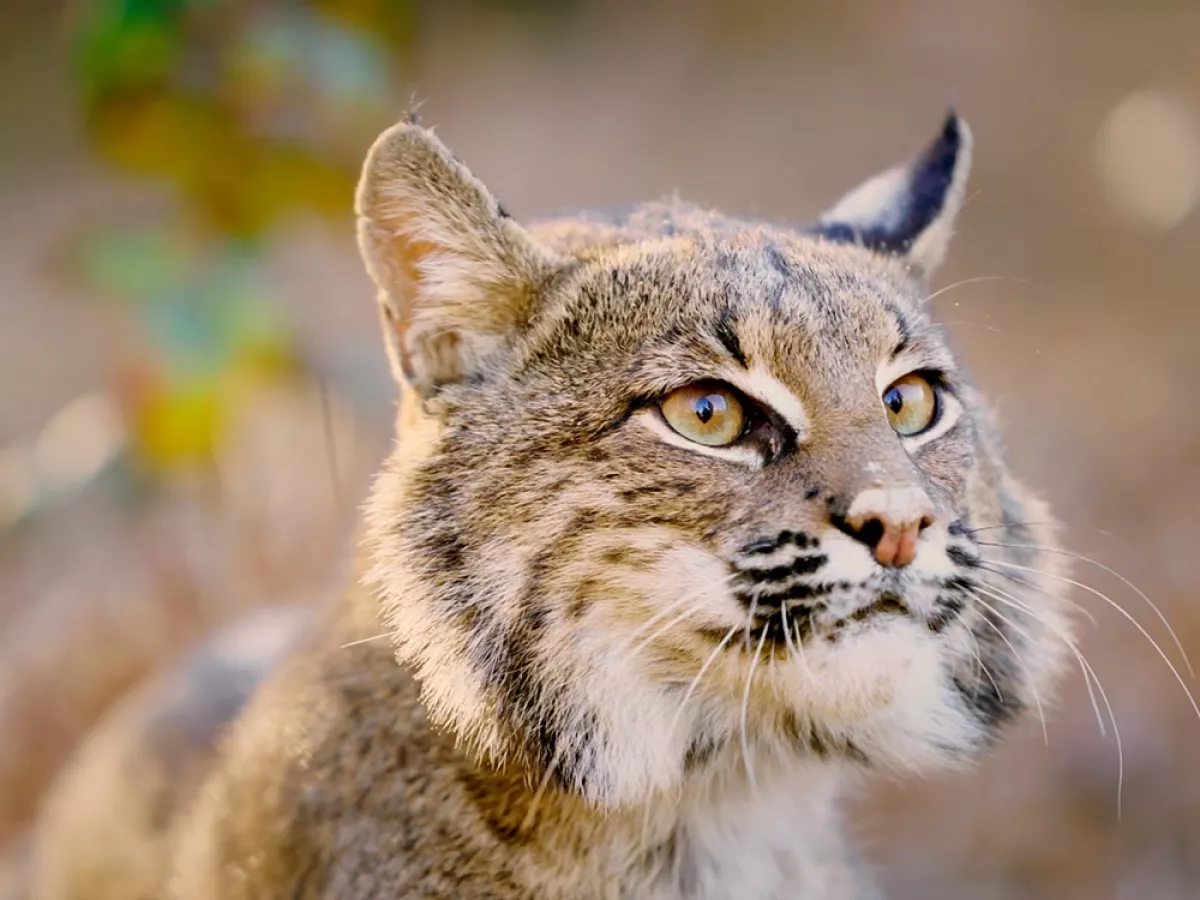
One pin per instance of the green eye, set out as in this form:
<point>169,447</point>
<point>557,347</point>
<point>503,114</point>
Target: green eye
<point>911,403</point>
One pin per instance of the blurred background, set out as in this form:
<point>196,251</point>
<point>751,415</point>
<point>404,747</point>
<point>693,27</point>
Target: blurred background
<point>194,397</point>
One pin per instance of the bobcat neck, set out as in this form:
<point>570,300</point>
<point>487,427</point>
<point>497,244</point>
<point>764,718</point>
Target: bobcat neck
<point>753,828</point>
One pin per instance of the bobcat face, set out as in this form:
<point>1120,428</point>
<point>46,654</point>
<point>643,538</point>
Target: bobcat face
<point>678,496</point>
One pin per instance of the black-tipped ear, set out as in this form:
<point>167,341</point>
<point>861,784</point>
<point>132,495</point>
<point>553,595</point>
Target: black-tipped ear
<point>908,211</point>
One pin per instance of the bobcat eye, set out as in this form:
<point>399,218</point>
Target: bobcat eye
<point>709,414</point>
<point>911,403</point>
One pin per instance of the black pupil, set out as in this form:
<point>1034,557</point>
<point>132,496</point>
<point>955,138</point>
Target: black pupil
<point>894,400</point>
<point>704,409</point>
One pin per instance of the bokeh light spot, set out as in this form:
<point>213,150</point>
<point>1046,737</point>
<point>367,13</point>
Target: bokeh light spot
<point>1148,155</point>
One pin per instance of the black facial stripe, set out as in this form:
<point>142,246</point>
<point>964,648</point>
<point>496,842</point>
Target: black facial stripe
<point>957,584</point>
<point>961,556</point>
<point>794,592</point>
<point>771,544</point>
<point>723,329</point>
<point>902,326</point>
<point>948,608</point>
<point>763,546</point>
<point>801,565</point>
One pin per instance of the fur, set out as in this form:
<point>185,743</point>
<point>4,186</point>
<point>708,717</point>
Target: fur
<point>590,658</point>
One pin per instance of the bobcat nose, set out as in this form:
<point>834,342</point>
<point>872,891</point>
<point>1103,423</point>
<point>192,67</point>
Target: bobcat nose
<point>888,521</point>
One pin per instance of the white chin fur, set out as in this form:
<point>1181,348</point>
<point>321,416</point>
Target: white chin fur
<point>886,688</point>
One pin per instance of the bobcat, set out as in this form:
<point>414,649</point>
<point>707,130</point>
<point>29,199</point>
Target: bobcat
<point>690,518</point>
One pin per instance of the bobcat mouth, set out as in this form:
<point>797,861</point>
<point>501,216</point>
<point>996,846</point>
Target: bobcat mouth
<point>888,604</point>
<point>814,619</point>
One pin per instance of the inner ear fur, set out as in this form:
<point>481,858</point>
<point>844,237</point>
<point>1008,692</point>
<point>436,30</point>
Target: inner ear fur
<point>457,277</point>
<point>909,211</point>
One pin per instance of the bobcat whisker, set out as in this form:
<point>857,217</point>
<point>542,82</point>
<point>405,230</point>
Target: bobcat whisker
<point>980,666</point>
<point>1115,574</point>
<point>687,696</point>
<point>976,280</point>
<point>528,819</point>
<point>745,714</point>
<point>795,648</point>
<point>1069,601</point>
<point>1085,668</point>
<point>658,632</point>
<point>653,620</point>
<point>660,615</point>
<point>1011,600</point>
<point>1044,522</point>
<point>750,622</point>
<point>1091,590</point>
<point>367,640</point>
<point>695,682</point>
<point>1037,699</point>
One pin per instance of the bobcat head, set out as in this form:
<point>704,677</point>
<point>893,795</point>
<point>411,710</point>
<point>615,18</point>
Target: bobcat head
<point>678,496</point>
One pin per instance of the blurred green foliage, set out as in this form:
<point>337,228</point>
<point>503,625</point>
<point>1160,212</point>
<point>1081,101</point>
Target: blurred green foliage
<point>253,113</point>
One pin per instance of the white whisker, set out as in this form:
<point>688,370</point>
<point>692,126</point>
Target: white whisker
<point>1115,574</point>
<point>795,648</point>
<point>658,632</point>
<point>367,640</point>
<point>745,714</point>
<point>976,280</point>
<point>750,622</point>
<point>660,615</point>
<point>1046,523</point>
<point>687,696</point>
<point>980,666</point>
<point>1085,668</point>
<point>1010,600</point>
<point>695,683</point>
<point>1091,590</point>
<point>1037,700</point>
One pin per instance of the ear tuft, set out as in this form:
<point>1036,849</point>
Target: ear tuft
<point>909,211</point>
<point>456,275</point>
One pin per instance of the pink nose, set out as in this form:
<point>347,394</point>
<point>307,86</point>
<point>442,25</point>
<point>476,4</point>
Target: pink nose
<point>889,521</point>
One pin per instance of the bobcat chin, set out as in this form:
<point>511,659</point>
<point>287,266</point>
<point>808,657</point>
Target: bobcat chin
<point>688,518</point>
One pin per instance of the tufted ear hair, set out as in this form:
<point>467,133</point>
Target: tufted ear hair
<point>909,211</point>
<point>456,276</point>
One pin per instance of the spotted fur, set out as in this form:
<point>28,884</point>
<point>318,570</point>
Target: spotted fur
<point>618,664</point>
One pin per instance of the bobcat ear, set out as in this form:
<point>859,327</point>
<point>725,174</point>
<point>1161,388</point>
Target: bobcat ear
<point>908,211</point>
<point>456,277</point>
